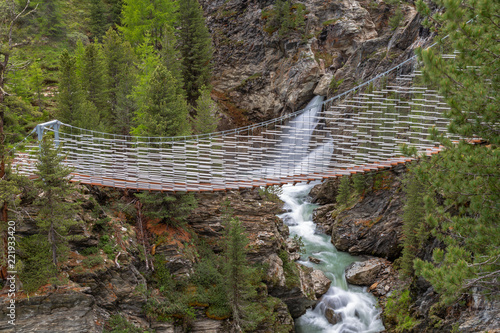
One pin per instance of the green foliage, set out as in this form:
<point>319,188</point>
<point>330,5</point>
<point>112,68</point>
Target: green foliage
<point>270,193</point>
<point>89,250</point>
<point>470,83</point>
<point>298,240</point>
<point>93,81</point>
<point>120,69</point>
<point>397,311</point>
<point>118,324</point>
<point>147,21</point>
<point>164,112</point>
<point>239,275</point>
<point>98,23</point>
<point>171,209</point>
<point>395,20</point>
<point>285,17</point>
<point>290,270</point>
<point>359,183</point>
<point>206,120</point>
<point>55,215</point>
<point>93,261</point>
<point>195,44</point>
<point>73,108</point>
<point>175,301</point>
<point>414,227</point>
<point>461,207</point>
<point>344,192</point>
<point>334,84</point>
<point>49,18</point>
<point>36,263</point>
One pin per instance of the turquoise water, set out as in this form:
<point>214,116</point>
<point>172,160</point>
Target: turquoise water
<point>356,307</point>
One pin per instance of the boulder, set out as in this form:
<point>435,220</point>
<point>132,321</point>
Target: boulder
<point>332,316</point>
<point>323,85</point>
<point>314,260</point>
<point>321,283</point>
<point>364,273</point>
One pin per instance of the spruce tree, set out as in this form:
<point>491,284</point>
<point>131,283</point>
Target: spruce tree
<point>141,20</point>
<point>93,79</point>
<point>164,112</point>
<point>414,227</point>
<point>462,205</point>
<point>98,22</point>
<point>55,215</point>
<point>205,120</point>
<point>70,94</point>
<point>238,276</point>
<point>49,18</point>
<point>344,191</point>
<point>196,49</point>
<point>119,63</point>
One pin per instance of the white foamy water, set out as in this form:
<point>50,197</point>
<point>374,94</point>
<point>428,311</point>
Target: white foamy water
<point>355,307</point>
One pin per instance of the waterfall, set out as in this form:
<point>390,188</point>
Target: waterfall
<point>351,308</point>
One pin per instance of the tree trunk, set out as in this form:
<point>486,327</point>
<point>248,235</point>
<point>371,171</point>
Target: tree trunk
<point>52,240</point>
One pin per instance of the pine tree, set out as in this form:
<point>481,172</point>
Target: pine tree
<point>141,19</point>
<point>49,18</point>
<point>462,207</point>
<point>196,49</point>
<point>359,183</point>
<point>238,276</point>
<point>55,214</point>
<point>167,208</point>
<point>36,82</point>
<point>164,112</point>
<point>170,57</point>
<point>93,82</point>
<point>205,120</point>
<point>119,61</point>
<point>414,227</point>
<point>73,109</point>
<point>70,94</point>
<point>344,191</point>
<point>98,23</point>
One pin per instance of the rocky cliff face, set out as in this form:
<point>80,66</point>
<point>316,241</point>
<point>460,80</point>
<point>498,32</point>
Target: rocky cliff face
<point>117,283</point>
<point>372,226</point>
<point>260,74</point>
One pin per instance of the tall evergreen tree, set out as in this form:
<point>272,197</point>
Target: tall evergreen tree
<point>121,72</point>
<point>196,49</point>
<point>239,276</point>
<point>93,82</point>
<point>141,19</point>
<point>164,112</point>
<point>98,22</point>
<point>463,180</point>
<point>49,17</point>
<point>205,120</point>
<point>55,215</point>
<point>344,191</point>
<point>70,95</point>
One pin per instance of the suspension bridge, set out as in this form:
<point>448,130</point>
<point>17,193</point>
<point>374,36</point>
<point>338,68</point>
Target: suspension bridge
<point>360,130</point>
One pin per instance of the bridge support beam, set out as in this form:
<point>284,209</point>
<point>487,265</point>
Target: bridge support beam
<point>55,124</point>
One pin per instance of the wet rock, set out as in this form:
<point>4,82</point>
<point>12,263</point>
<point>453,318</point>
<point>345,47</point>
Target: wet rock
<point>321,283</point>
<point>364,273</point>
<point>314,260</point>
<point>332,317</point>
